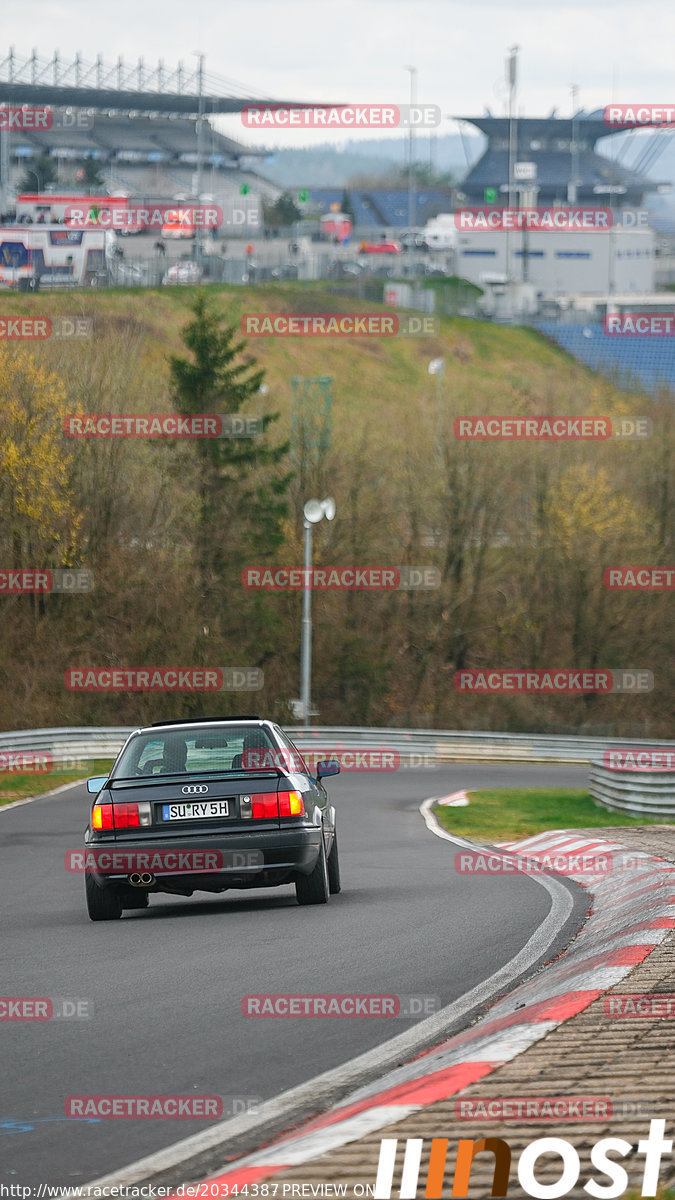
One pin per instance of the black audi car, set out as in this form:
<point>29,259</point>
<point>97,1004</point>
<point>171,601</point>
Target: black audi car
<point>207,805</point>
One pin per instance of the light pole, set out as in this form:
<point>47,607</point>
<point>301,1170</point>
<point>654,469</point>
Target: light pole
<point>200,122</point>
<point>411,148</point>
<point>314,511</point>
<point>437,367</point>
<point>574,151</point>
<point>512,80</point>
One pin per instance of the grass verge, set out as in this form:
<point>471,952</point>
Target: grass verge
<point>504,814</point>
<point>22,787</point>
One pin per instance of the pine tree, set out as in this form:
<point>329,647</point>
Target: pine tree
<point>347,207</point>
<point>39,175</point>
<point>241,484</point>
<point>91,176</point>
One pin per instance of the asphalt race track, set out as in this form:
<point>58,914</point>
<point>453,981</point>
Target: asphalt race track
<point>167,983</point>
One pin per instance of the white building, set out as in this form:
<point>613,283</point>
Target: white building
<point>561,263</point>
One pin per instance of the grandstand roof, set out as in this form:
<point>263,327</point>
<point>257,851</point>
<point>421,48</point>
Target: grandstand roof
<point>153,139</point>
<point>136,101</point>
<point>126,87</point>
<point>549,142</point>
<point>583,125</point>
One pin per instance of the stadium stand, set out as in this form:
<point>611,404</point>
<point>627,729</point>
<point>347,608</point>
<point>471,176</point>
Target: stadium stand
<point>142,154</point>
<point>559,148</point>
<point>377,207</point>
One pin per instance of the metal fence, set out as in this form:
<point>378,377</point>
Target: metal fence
<point>640,793</point>
<point>416,747</point>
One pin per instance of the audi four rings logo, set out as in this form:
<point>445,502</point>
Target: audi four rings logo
<point>196,789</point>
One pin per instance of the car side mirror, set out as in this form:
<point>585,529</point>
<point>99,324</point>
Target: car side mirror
<point>95,784</point>
<point>327,766</point>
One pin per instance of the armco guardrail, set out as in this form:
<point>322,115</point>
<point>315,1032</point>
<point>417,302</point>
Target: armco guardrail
<point>467,746</point>
<point>417,747</point>
<point>640,793</point>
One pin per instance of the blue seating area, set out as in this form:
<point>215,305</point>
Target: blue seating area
<point>635,363</point>
<point>384,206</point>
<point>553,173</point>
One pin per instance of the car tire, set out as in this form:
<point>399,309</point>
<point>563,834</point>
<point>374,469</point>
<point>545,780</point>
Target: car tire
<point>314,888</point>
<point>333,865</point>
<point>103,904</point>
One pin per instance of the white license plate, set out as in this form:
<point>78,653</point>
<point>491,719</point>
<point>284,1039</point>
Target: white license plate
<point>194,809</point>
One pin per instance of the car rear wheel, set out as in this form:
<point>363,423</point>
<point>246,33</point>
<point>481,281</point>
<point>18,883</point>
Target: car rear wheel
<point>333,865</point>
<point>103,904</point>
<point>314,888</point>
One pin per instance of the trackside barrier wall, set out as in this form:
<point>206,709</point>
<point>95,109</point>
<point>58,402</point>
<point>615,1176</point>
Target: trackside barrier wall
<point>641,793</point>
<point>417,747</point>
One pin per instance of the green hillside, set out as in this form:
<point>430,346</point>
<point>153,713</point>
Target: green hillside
<point>520,531</point>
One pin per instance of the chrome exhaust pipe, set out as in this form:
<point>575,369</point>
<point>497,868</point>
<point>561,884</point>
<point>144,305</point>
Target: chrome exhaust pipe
<point>141,879</point>
<point>147,879</point>
<point>135,879</point>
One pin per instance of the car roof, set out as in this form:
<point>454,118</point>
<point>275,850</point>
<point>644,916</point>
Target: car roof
<point>192,722</point>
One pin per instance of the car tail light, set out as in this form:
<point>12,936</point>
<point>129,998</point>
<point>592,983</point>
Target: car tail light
<point>291,804</point>
<point>126,816</point>
<point>102,816</point>
<point>265,805</point>
<point>130,816</point>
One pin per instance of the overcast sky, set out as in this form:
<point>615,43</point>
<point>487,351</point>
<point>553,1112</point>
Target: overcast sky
<point>356,50</point>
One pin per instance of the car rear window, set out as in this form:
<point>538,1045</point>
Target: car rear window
<point>189,752</point>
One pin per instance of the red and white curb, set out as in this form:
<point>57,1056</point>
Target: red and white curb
<point>455,799</point>
<point>633,910</point>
